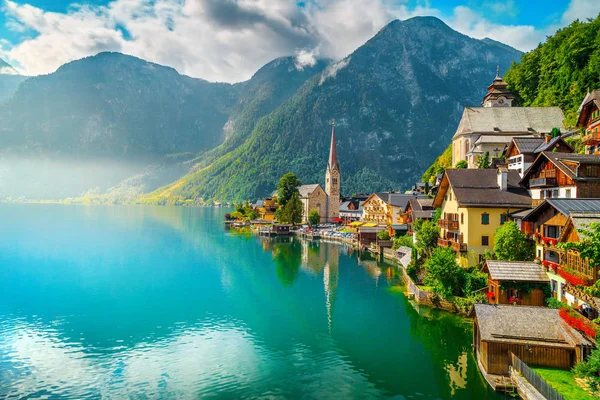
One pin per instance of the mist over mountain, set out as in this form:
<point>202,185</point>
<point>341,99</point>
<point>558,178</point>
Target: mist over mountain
<point>128,126</point>
<point>396,101</point>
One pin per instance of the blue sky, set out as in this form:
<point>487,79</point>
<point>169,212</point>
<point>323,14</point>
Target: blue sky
<point>228,40</point>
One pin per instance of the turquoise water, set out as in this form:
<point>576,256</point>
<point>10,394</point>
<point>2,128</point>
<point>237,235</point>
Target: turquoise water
<point>150,302</point>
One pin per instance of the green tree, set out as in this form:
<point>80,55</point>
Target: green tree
<point>287,187</point>
<point>510,244</point>
<point>236,215</point>
<point>314,217</point>
<point>589,245</point>
<point>444,275</point>
<point>484,162</point>
<point>461,164</point>
<point>427,234</point>
<point>291,213</point>
<point>406,241</point>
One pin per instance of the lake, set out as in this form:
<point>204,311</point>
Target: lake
<point>161,302</point>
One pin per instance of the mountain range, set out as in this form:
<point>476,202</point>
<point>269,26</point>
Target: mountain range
<point>113,126</point>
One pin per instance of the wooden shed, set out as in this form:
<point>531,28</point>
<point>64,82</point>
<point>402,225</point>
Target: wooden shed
<point>536,335</point>
<point>507,281</point>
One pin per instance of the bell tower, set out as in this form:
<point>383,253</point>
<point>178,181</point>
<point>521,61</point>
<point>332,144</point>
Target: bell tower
<point>498,94</point>
<point>332,180</point>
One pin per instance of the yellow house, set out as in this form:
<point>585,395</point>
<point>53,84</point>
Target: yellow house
<point>387,208</point>
<point>474,203</point>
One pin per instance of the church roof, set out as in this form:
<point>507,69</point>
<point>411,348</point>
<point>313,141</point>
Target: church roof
<point>509,120</point>
<point>333,161</point>
<point>307,190</point>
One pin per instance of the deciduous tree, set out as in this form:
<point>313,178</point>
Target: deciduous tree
<point>444,275</point>
<point>510,244</point>
<point>287,186</point>
<point>314,217</point>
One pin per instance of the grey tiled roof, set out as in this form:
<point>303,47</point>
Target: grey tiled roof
<point>479,187</point>
<point>526,120</point>
<point>528,144</point>
<point>567,206</point>
<point>593,96</point>
<point>526,324</point>
<point>306,190</point>
<point>516,271</point>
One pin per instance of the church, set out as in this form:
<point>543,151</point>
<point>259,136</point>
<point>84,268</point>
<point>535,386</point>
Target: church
<point>325,201</point>
<point>492,127</point>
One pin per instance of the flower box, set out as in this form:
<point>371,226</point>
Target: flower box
<point>573,277</point>
<point>578,322</point>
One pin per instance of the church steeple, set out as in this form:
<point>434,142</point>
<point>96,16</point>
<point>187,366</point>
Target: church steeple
<point>332,180</point>
<point>333,161</point>
<point>498,94</point>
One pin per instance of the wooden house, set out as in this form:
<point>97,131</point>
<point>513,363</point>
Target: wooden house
<point>564,176</point>
<point>505,279</point>
<point>589,120</point>
<point>573,268</point>
<point>522,151</point>
<point>537,335</point>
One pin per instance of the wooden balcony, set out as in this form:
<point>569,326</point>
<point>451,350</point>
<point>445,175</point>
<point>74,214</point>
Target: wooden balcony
<point>573,261</point>
<point>448,224</point>
<point>457,247</point>
<point>591,139</point>
<point>542,182</point>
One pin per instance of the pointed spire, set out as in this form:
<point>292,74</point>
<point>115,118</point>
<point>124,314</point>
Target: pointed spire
<point>333,161</point>
<point>498,72</point>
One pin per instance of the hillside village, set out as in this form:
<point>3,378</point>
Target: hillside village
<point>509,235</point>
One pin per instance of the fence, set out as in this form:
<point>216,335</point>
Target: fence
<point>534,379</point>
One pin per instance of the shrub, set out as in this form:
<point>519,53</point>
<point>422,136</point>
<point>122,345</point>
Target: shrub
<point>406,241</point>
<point>383,235</point>
<point>552,302</point>
<point>589,370</point>
<point>474,282</point>
<point>444,275</point>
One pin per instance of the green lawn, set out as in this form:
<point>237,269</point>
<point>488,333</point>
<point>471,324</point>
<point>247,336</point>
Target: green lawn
<point>564,383</point>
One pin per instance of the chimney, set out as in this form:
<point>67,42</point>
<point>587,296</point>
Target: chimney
<point>502,177</point>
<point>547,137</point>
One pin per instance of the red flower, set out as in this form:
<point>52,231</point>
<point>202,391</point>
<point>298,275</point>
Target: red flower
<point>514,300</point>
<point>490,295</point>
<point>578,322</point>
<point>572,278</point>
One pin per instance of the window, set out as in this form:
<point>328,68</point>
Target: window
<point>502,219</point>
<point>450,196</point>
<point>462,218</point>
<point>568,193</point>
<point>485,219</point>
<point>485,240</point>
<point>334,180</point>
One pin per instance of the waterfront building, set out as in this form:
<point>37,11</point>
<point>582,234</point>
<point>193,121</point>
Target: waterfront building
<point>326,201</point>
<point>563,175</point>
<point>492,127</point>
<point>266,208</point>
<point>351,210</point>
<point>522,151</point>
<point>536,335</point>
<point>474,203</point>
<point>589,120</point>
<point>387,209</point>
<point>506,277</point>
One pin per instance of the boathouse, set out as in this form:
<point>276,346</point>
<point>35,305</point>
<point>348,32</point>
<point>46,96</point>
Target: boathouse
<point>538,336</point>
<point>516,282</point>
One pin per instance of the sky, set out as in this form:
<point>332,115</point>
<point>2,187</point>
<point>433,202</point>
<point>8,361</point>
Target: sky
<point>229,40</point>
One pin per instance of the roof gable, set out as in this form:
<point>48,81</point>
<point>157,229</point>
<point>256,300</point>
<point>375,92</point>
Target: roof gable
<point>307,190</point>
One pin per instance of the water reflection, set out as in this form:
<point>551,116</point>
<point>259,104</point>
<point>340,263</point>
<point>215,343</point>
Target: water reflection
<point>135,302</point>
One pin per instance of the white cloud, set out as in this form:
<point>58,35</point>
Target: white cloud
<point>228,40</point>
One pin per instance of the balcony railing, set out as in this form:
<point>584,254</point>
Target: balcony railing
<point>592,138</point>
<point>456,246</point>
<point>542,182</point>
<point>448,224</point>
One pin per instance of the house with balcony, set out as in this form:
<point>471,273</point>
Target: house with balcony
<point>576,271</point>
<point>351,210</point>
<point>522,151</point>
<point>589,121</point>
<point>563,175</point>
<point>417,208</point>
<point>474,203</point>
<point>387,208</point>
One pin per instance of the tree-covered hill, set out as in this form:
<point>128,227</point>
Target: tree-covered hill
<point>396,101</point>
<point>560,71</point>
